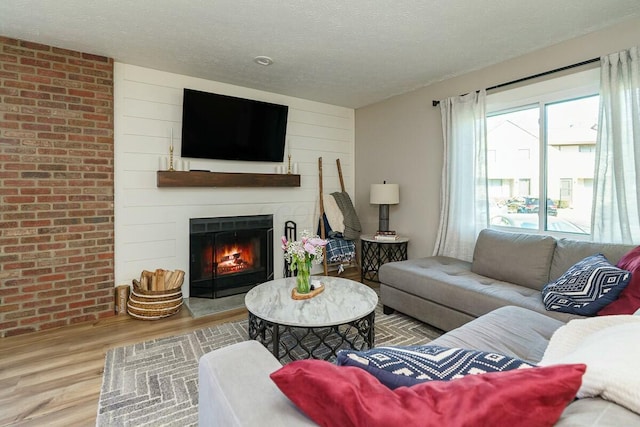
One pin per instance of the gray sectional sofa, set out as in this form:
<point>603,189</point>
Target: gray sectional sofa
<point>492,304</point>
<point>507,269</point>
<point>235,388</point>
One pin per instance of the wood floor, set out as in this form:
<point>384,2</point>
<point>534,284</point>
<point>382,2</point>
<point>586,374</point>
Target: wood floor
<point>53,378</point>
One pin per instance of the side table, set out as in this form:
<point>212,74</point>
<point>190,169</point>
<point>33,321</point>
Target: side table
<point>375,253</point>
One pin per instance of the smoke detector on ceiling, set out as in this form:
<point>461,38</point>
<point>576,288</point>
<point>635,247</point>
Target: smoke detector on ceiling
<point>263,60</point>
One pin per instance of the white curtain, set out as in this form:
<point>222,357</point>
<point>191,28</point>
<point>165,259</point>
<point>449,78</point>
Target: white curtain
<point>616,202</point>
<point>463,197</point>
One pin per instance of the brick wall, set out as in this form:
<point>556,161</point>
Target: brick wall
<point>56,187</point>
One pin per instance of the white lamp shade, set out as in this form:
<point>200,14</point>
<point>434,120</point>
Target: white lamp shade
<point>385,194</point>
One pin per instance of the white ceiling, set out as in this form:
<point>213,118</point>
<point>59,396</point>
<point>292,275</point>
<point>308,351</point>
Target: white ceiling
<point>348,53</point>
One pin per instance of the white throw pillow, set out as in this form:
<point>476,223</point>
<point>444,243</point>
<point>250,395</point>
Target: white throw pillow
<point>610,347</point>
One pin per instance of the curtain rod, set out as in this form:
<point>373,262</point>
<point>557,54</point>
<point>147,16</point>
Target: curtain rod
<point>535,76</point>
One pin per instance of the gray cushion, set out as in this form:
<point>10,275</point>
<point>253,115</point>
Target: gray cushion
<point>568,252</point>
<point>518,258</point>
<point>235,390</point>
<point>450,283</point>
<point>523,333</point>
<point>595,412</point>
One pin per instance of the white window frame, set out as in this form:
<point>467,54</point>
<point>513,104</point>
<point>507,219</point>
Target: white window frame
<point>564,88</point>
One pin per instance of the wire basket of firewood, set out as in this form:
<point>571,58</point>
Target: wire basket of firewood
<point>156,295</point>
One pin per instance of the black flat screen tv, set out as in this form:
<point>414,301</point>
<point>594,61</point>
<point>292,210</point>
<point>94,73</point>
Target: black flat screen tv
<point>225,127</point>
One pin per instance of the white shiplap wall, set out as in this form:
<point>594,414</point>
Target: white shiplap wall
<point>152,224</point>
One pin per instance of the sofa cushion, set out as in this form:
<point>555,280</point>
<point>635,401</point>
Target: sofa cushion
<point>569,251</point>
<point>407,366</point>
<point>519,258</point>
<point>524,334</point>
<point>586,287</point>
<point>450,283</point>
<point>346,396</point>
<point>222,389</point>
<point>610,348</point>
<point>596,412</point>
<point>628,301</point>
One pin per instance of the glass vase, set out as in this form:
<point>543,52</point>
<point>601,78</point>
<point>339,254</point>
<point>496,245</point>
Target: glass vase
<point>303,278</point>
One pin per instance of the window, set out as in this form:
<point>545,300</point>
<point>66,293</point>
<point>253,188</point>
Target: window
<point>524,153</point>
<point>499,188</point>
<point>544,136</point>
<point>524,185</point>
<point>587,148</point>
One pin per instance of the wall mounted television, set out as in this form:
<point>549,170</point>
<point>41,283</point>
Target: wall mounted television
<point>228,128</point>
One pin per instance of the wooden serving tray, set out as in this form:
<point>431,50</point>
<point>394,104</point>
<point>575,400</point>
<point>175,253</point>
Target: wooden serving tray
<point>318,290</point>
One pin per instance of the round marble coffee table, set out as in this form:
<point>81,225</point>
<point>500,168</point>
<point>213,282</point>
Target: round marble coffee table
<point>342,316</point>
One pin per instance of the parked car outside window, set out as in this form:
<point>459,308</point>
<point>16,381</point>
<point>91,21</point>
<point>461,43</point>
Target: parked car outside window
<point>528,204</point>
<point>531,221</point>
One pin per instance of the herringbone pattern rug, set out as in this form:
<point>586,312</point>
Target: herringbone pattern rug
<point>155,383</point>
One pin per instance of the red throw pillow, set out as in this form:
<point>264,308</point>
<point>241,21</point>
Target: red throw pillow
<point>347,396</point>
<point>629,299</point>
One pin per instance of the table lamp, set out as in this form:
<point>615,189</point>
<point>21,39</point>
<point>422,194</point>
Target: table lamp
<point>384,195</point>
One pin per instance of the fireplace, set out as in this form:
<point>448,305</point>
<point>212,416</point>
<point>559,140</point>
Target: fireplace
<point>229,255</point>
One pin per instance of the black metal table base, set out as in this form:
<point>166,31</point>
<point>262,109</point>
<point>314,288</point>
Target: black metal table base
<point>375,254</point>
<point>288,343</point>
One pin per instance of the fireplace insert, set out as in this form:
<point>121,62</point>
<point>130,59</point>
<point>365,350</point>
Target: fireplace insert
<point>229,255</point>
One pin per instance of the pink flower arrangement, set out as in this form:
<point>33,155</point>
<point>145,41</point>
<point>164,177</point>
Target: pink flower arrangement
<point>309,248</point>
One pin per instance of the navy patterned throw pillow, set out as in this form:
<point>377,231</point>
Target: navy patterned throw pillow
<point>586,287</point>
<point>407,366</point>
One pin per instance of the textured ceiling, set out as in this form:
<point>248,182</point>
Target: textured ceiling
<point>348,53</point>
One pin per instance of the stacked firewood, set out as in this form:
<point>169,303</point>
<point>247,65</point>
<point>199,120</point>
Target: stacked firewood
<point>160,280</point>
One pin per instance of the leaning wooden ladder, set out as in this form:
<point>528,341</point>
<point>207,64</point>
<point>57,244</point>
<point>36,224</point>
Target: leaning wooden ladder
<point>323,233</point>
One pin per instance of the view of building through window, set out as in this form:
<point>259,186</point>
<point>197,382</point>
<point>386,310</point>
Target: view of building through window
<point>527,162</point>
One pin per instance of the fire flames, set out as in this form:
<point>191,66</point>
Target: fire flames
<point>231,258</point>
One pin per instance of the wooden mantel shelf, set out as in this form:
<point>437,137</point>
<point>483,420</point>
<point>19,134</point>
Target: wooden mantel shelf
<point>226,179</point>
